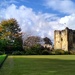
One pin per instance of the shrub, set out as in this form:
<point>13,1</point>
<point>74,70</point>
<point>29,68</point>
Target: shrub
<point>52,52</point>
<point>15,48</point>
<point>34,50</point>
<point>45,52</point>
<point>10,49</point>
<point>1,53</point>
<point>18,53</point>
<point>30,52</point>
<point>59,52</point>
<point>72,52</point>
<point>66,52</point>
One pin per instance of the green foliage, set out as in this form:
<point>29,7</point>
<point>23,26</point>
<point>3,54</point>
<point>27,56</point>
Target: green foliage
<point>52,52</point>
<point>3,44</point>
<point>10,29</point>
<point>18,53</point>
<point>10,36</point>
<point>66,52</point>
<point>72,52</point>
<point>1,52</point>
<point>62,52</point>
<point>59,52</point>
<point>30,52</point>
<point>45,52</point>
<point>34,50</point>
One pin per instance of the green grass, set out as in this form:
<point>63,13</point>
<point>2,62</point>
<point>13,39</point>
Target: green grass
<point>39,65</point>
<point>2,57</point>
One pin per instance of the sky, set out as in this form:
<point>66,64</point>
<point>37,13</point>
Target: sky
<point>39,17</point>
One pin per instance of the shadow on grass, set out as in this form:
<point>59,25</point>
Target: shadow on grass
<point>1,64</point>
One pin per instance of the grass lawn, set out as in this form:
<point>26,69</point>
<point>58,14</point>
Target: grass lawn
<point>2,57</point>
<point>39,65</point>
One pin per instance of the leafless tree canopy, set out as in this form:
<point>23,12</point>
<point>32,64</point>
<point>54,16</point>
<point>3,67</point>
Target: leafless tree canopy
<point>32,40</point>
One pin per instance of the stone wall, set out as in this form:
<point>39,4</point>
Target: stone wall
<point>57,40</point>
<point>70,39</point>
<point>64,39</point>
<point>74,39</point>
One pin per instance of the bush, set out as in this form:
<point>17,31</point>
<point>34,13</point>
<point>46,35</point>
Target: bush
<point>1,53</point>
<point>31,51</point>
<point>72,52</point>
<point>34,50</point>
<point>52,52</point>
<point>59,52</point>
<point>10,49</point>
<point>66,52</point>
<point>18,53</point>
<point>45,52</point>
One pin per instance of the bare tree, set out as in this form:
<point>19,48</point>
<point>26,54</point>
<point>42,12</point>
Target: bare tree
<point>32,40</point>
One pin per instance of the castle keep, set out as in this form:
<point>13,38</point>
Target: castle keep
<point>64,39</point>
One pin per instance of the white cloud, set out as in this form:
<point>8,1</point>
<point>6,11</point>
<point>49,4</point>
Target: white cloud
<point>6,3</point>
<point>41,24</point>
<point>31,23</point>
<point>65,6</point>
<point>68,21</point>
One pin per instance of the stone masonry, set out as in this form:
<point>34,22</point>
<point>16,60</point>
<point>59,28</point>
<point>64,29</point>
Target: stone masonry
<point>64,39</point>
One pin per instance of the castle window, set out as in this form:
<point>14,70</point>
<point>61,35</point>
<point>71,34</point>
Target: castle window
<point>61,39</point>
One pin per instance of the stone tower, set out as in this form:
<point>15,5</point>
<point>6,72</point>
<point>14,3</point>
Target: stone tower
<point>64,39</point>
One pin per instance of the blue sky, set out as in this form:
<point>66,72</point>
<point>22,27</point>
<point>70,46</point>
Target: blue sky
<point>39,17</point>
<point>36,5</point>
